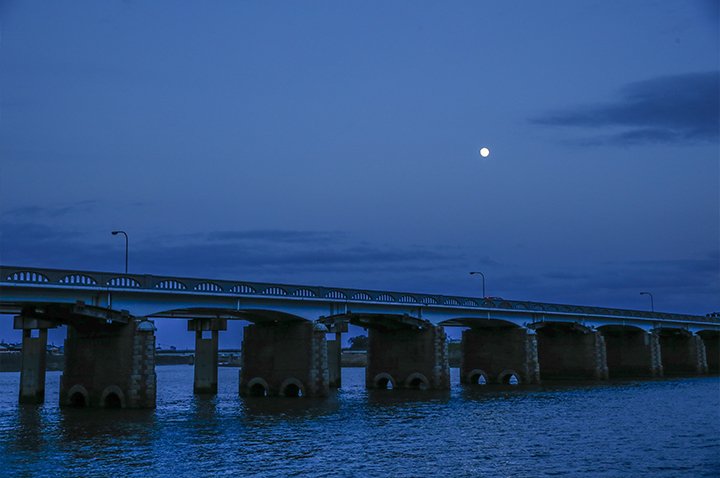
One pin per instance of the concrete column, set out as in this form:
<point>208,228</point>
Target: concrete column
<point>601,369</point>
<point>109,366</point>
<point>656,365</point>
<point>284,359</point>
<point>494,355</point>
<point>206,353</point>
<point>682,353</point>
<point>700,355</point>
<point>408,358</point>
<point>334,352</point>
<point>34,352</point>
<point>568,352</point>
<point>334,356</point>
<point>711,341</point>
<point>632,352</point>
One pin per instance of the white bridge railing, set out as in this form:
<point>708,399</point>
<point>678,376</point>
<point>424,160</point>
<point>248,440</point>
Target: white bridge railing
<point>18,276</point>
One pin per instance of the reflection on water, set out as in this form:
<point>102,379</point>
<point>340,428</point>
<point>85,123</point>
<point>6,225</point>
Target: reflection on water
<point>402,397</point>
<point>261,407</point>
<point>636,428</point>
<point>29,435</point>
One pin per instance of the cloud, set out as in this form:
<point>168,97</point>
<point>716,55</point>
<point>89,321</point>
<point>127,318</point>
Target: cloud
<point>669,109</point>
<point>37,212</point>
<point>274,235</point>
<point>676,276</point>
<point>218,253</point>
<point>288,250</point>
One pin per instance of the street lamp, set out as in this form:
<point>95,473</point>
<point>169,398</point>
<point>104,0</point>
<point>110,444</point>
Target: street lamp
<point>652,304</point>
<point>483,278</point>
<point>115,233</point>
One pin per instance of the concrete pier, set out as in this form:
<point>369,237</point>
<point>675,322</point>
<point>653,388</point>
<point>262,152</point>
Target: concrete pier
<point>334,357</point>
<point>496,355</point>
<point>109,366</point>
<point>206,353</point>
<point>711,340</point>
<point>632,352</point>
<point>334,351</point>
<point>682,352</point>
<point>284,359</point>
<point>408,358</point>
<point>32,371</point>
<point>571,351</point>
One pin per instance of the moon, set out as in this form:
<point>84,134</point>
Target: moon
<point>484,152</point>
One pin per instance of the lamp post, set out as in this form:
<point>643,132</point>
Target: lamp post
<point>115,233</point>
<point>483,278</point>
<point>652,304</point>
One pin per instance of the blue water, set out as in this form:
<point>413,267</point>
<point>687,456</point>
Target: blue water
<point>667,428</point>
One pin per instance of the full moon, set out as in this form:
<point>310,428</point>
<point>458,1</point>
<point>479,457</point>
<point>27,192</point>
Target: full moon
<point>484,152</point>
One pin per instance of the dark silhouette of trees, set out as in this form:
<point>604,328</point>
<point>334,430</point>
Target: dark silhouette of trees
<point>359,343</point>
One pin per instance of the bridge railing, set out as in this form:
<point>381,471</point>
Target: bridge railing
<point>146,282</point>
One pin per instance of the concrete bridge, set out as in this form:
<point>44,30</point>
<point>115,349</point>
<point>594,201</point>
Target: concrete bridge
<point>110,344</point>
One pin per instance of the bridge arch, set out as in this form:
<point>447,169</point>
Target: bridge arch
<point>383,381</point>
<point>78,279</point>
<point>477,377</point>
<point>77,397</point>
<point>509,377</point>
<point>208,287</point>
<point>620,328</point>
<point>711,341</point>
<point>631,351</point>
<point>417,381</point>
<point>170,284</point>
<point>480,322</point>
<point>112,397</point>
<point>123,282</point>
<point>258,387</point>
<point>569,350</point>
<point>292,387</point>
<point>683,353</point>
<point>27,276</point>
<point>248,314</point>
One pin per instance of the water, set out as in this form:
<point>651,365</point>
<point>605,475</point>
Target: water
<point>666,428</point>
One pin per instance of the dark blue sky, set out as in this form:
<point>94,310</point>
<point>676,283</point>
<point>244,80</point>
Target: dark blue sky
<point>337,143</point>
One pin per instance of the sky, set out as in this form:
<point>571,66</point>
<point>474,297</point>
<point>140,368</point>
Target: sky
<point>336,143</point>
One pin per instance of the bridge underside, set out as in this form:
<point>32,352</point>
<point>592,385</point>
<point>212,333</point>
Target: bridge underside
<point>682,352</point>
<point>711,341</point>
<point>632,352</point>
<point>288,359</point>
<point>403,351</point>
<point>250,315</point>
<point>570,351</point>
<point>499,355</point>
<point>109,356</point>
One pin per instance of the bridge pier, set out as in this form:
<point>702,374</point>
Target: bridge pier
<point>110,366</point>
<point>495,355</point>
<point>711,340</point>
<point>334,352</point>
<point>34,350</point>
<point>632,352</point>
<point>682,352</point>
<point>206,354</point>
<point>408,358</point>
<point>571,351</point>
<point>284,359</point>
<point>334,357</point>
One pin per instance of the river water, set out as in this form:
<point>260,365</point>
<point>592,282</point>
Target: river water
<point>666,428</point>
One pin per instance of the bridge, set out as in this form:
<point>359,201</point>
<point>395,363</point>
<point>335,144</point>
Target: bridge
<point>286,351</point>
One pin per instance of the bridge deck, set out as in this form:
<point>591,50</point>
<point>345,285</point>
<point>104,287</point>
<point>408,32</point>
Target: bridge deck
<point>18,276</point>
